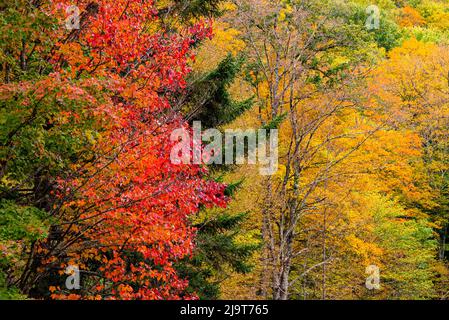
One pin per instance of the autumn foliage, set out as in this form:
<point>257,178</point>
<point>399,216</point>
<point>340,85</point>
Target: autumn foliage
<point>92,90</point>
<point>122,208</point>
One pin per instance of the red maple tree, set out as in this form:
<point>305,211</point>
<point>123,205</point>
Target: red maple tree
<point>124,210</point>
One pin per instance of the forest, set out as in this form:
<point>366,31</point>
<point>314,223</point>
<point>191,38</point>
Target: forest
<point>120,179</point>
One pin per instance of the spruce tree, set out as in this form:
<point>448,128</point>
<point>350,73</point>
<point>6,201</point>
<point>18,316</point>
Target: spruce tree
<point>207,98</point>
<point>216,252</point>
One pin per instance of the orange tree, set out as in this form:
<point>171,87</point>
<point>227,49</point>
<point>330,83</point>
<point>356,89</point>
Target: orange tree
<point>86,176</point>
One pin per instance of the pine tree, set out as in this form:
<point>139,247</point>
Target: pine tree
<point>208,100</point>
<point>188,9</point>
<point>217,253</point>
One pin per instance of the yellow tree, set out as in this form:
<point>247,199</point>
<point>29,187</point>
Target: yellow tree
<point>412,87</point>
<point>301,72</point>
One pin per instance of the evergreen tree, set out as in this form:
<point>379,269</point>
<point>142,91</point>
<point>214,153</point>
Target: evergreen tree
<point>207,98</point>
<point>216,254</point>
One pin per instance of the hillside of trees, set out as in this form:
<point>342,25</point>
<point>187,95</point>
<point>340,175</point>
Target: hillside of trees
<point>93,207</point>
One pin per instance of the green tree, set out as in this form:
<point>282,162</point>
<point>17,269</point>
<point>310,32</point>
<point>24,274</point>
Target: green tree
<point>207,98</point>
<point>217,253</point>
